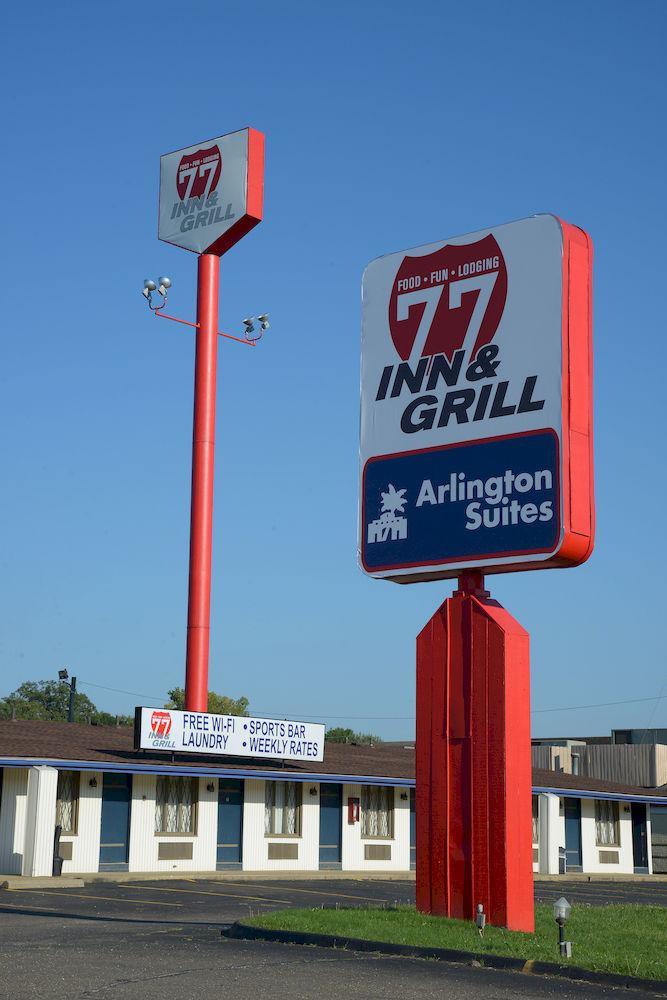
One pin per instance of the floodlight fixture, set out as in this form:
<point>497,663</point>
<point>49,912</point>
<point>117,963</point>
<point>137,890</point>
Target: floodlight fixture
<point>63,675</point>
<point>160,286</point>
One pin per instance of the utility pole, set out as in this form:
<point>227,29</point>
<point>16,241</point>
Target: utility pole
<point>63,675</point>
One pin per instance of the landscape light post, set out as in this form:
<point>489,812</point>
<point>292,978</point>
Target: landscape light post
<point>562,910</point>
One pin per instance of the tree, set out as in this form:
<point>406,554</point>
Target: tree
<point>341,735</point>
<point>49,701</point>
<point>220,704</point>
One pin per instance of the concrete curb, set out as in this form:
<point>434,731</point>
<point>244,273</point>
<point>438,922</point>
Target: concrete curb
<point>249,876</point>
<point>88,878</point>
<point>40,882</point>
<point>246,932</point>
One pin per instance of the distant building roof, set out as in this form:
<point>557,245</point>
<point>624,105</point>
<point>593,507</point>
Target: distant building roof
<point>552,740</point>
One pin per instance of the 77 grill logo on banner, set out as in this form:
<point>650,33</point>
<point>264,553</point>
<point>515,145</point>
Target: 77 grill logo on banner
<point>161,723</point>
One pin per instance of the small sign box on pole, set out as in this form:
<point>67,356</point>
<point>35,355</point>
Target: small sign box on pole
<point>227,735</point>
<point>476,385</point>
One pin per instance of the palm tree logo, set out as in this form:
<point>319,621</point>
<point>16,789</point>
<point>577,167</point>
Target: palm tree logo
<point>393,501</point>
<point>391,524</point>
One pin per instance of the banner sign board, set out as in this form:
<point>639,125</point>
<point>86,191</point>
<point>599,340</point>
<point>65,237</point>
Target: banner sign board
<point>476,404</point>
<point>211,194</point>
<point>227,735</point>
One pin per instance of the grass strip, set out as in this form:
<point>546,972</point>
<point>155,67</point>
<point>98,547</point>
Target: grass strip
<point>627,939</point>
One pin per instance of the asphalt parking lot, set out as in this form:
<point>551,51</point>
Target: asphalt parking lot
<point>133,939</point>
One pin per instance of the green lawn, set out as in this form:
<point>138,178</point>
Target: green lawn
<point>631,940</point>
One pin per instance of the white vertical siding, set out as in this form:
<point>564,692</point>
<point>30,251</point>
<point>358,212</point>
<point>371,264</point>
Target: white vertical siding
<point>354,844</point>
<point>12,819</point>
<point>144,841</point>
<point>86,841</point>
<point>256,843</point>
<point>40,821</point>
<point>552,833</point>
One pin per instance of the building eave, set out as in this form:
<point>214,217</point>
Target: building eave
<point>277,774</point>
<point>582,793</point>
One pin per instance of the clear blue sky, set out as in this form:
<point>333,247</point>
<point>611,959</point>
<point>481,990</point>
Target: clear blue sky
<point>388,125</point>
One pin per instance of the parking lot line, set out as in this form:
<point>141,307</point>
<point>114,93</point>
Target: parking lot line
<point>83,895</point>
<point>24,906</point>
<point>203,892</point>
<point>314,892</point>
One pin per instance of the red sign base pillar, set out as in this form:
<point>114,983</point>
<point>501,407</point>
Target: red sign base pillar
<point>473,799</point>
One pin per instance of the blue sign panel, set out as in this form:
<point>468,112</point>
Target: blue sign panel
<point>485,499</point>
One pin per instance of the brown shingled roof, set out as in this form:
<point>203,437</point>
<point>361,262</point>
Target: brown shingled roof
<point>77,742</point>
<point>581,782</point>
<point>91,744</point>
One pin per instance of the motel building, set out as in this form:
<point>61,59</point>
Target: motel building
<point>121,809</point>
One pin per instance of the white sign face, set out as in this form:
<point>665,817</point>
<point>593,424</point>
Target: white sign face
<point>461,403</point>
<point>227,735</point>
<point>204,191</point>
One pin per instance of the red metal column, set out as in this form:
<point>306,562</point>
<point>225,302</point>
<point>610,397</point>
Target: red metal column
<point>201,511</point>
<point>473,802</point>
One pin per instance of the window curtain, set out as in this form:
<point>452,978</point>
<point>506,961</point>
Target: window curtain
<point>536,821</point>
<point>281,808</point>
<point>606,823</point>
<point>377,803</point>
<point>66,796</point>
<point>174,805</point>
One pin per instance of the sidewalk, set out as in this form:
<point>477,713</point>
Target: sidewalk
<point>76,880</point>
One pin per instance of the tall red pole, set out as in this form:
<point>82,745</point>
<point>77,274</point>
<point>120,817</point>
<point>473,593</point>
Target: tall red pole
<point>201,511</point>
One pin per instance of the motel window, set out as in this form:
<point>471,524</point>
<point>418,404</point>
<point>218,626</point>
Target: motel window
<point>607,833</point>
<point>282,808</point>
<point>175,805</point>
<point>536,820</point>
<point>377,811</point>
<point>67,801</point>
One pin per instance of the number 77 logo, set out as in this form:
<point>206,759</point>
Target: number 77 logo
<point>456,300</point>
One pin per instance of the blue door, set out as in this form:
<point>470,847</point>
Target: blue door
<point>230,823</point>
<point>639,838</point>
<point>413,832</point>
<point>331,825</point>
<point>573,834</point>
<point>115,829</point>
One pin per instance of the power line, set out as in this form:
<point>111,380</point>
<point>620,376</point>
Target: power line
<point>385,718</point>
<point>599,704</point>
<point>150,697</point>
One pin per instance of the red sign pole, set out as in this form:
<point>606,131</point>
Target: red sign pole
<point>201,510</point>
<point>473,762</point>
